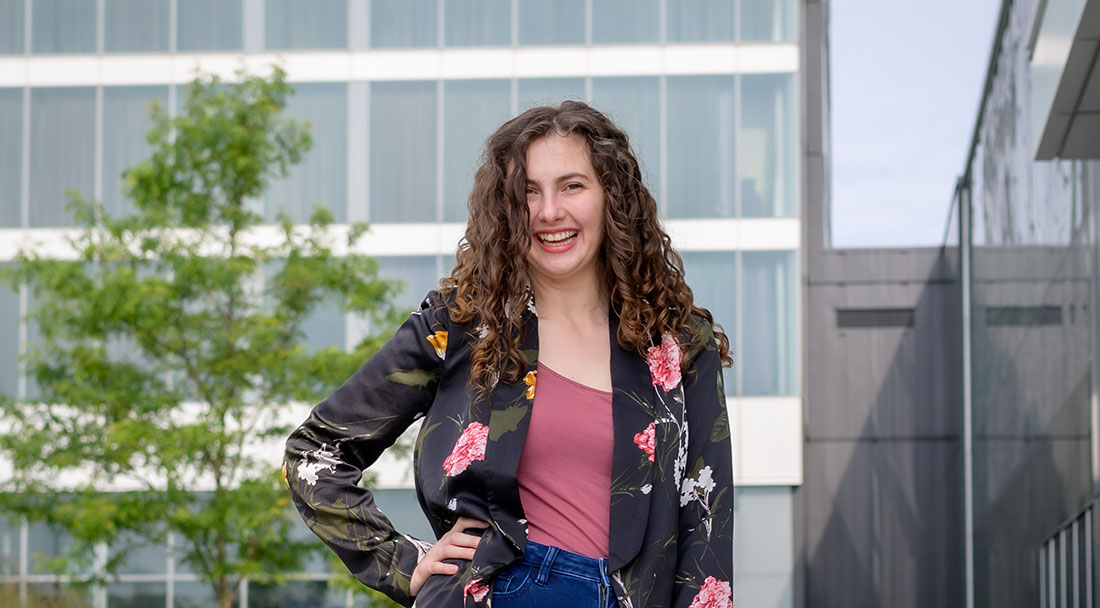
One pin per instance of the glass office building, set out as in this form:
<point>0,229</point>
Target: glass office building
<point>400,95</point>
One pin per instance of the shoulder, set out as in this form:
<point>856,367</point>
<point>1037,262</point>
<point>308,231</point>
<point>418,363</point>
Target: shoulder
<point>698,340</point>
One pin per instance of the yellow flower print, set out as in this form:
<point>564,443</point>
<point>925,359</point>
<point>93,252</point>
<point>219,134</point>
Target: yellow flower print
<point>529,380</point>
<point>439,341</point>
<point>285,480</point>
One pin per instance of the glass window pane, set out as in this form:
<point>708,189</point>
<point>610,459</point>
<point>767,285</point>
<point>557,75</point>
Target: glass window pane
<point>403,509</point>
<point>62,151</point>
<point>9,344</point>
<point>136,595</point>
<point>325,325</point>
<point>11,157</point>
<point>295,594</point>
<point>712,277</point>
<point>195,595</point>
<point>209,25</point>
<point>634,104</point>
<point>478,22</point>
<point>764,543</point>
<point>9,526</point>
<point>126,120</point>
<point>135,25</point>
<point>559,22</point>
<point>472,110</point>
<point>548,91</point>
<point>63,26</point>
<point>767,21</point>
<point>321,177</point>
<point>11,26</point>
<point>43,543</point>
<point>624,21</point>
<point>58,594</point>
<point>770,323</point>
<point>142,557</point>
<point>402,154</point>
<point>700,20</point>
<point>767,143</point>
<point>398,23</point>
<point>417,272</point>
<point>700,146</point>
<point>317,24</point>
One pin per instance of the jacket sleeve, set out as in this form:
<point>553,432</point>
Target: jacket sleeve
<point>704,570</point>
<point>326,455</point>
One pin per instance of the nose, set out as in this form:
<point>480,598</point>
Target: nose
<point>549,208</point>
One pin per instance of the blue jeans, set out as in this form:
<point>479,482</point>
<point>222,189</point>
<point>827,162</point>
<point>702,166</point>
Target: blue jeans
<point>549,577</point>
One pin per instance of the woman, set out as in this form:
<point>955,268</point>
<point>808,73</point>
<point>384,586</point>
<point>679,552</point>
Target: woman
<point>610,484</point>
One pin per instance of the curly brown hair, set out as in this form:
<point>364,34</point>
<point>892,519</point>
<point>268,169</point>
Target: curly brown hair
<point>644,276</point>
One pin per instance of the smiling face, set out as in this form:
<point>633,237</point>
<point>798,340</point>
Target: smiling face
<point>565,202</point>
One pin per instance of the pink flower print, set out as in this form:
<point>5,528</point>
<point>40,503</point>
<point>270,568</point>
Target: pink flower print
<point>647,439</point>
<point>469,447</point>
<point>664,363</point>
<point>478,590</point>
<point>714,594</point>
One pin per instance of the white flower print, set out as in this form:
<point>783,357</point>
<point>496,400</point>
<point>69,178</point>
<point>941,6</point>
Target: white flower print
<point>324,459</point>
<point>453,504</point>
<point>647,488</point>
<point>699,489</point>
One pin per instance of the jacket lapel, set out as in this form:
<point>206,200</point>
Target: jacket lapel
<point>632,472</point>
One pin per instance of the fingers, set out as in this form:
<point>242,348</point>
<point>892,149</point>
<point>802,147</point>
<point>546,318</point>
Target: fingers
<point>468,522</point>
<point>464,540</point>
<point>457,552</point>
<point>442,568</point>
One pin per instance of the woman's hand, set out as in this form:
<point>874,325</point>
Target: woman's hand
<point>455,544</point>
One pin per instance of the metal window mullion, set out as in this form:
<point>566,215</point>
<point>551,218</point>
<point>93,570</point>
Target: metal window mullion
<point>439,148</point>
<point>513,95</point>
<point>27,27</point>
<point>513,26</point>
<point>662,21</point>
<point>99,564</point>
<point>439,23</point>
<point>588,22</point>
<point>173,26</point>
<point>1088,558</point>
<point>25,166</point>
<point>1042,577</point>
<point>97,154</point>
<point>739,316</point>
<point>100,26</point>
<point>1062,570</point>
<point>781,328</point>
<point>170,571</point>
<point>735,191</point>
<point>242,596</point>
<point>662,138</point>
<point>1075,533</point>
<point>24,544</point>
<point>1051,574</point>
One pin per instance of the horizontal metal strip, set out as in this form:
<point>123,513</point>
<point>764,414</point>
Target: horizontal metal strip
<point>442,238</point>
<point>415,64</point>
<point>868,318</point>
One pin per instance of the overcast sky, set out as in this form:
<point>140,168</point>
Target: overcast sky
<point>906,82</point>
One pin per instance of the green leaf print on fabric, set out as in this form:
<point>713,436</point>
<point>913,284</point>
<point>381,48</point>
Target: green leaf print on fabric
<point>721,429</point>
<point>418,378</point>
<point>506,420</point>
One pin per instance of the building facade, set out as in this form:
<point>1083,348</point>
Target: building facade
<point>401,95</point>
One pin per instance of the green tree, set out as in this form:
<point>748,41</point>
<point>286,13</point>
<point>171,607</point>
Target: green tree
<point>170,343</point>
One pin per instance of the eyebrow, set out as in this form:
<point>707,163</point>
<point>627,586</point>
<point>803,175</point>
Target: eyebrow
<point>566,177</point>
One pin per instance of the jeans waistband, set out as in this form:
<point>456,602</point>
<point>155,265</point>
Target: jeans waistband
<point>548,558</point>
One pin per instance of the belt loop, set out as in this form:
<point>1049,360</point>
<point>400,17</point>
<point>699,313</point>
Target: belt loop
<point>603,572</point>
<point>544,569</point>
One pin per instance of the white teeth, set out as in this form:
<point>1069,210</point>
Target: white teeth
<point>557,237</point>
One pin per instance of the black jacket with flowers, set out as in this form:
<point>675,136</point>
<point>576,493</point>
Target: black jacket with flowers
<point>671,538</point>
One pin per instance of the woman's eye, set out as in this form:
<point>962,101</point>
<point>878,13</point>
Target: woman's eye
<point>573,186</point>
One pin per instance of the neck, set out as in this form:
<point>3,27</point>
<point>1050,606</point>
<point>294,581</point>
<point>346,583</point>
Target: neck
<point>577,301</point>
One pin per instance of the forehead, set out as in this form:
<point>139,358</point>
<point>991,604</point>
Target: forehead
<point>556,153</point>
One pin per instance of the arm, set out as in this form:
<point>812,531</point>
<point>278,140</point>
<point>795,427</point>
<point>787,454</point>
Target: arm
<point>704,569</point>
<point>325,456</point>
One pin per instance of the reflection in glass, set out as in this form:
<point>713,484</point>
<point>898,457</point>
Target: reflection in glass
<point>11,157</point>
<point>403,23</point>
<point>195,595</point>
<point>317,24</point>
<point>417,272</point>
<point>134,26</point>
<point>769,330</point>
<point>209,25</point>
<point>477,22</point>
<point>136,595</point>
<point>700,20</point>
<point>126,119</point>
<point>63,26</point>
<point>766,21</point>
<point>402,151</point>
<point>320,179</point>
<point>295,594</point>
<point>58,594</point>
<point>560,22</point>
<point>11,27</point>
<point>142,556</point>
<point>700,146</point>
<point>9,341</point>
<point>712,277</point>
<point>634,104</point>
<point>472,110</point>
<point>62,151</point>
<point>403,509</point>
<point>767,142</point>
<point>44,543</point>
<point>9,526</point>
<point>548,91</point>
<point>625,21</point>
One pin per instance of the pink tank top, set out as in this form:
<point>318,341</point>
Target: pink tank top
<point>565,470</point>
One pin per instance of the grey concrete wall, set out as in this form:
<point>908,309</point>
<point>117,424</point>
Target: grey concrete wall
<point>883,455</point>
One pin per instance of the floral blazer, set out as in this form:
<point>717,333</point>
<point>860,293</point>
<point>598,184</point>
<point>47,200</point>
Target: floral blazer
<point>671,537</point>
